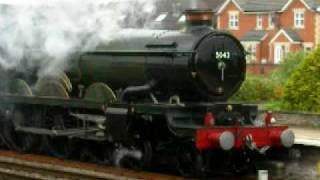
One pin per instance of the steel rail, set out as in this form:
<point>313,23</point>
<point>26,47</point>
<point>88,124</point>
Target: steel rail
<point>12,168</point>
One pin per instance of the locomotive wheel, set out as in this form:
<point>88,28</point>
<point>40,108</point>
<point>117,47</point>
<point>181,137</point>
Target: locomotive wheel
<point>60,78</point>
<point>66,81</point>
<point>19,141</point>
<point>144,162</point>
<point>4,111</point>
<point>3,143</point>
<point>19,87</point>
<point>96,152</point>
<point>100,92</point>
<point>5,79</point>
<point>190,161</point>
<point>51,88</point>
<point>56,146</point>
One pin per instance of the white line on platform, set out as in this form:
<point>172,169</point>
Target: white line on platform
<point>308,142</point>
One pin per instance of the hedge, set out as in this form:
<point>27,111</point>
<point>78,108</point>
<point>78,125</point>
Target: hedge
<point>302,92</point>
<point>256,89</point>
<point>269,88</point>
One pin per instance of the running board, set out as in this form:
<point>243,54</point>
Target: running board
<point>65,132</point>
<point>90,118</point>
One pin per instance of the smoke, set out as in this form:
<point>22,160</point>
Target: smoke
<point>193,4</point>
<point>46,33</point>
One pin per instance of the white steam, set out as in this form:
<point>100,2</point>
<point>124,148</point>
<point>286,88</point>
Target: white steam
<point>194,4</point>
<point>46,33</point>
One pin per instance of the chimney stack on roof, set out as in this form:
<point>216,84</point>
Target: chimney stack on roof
<point>199,17</point>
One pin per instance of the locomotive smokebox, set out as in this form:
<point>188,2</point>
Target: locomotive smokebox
<point>198,17</point>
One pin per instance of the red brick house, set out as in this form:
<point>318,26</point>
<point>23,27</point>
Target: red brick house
<point>270,29</point>
<point>169,13</point>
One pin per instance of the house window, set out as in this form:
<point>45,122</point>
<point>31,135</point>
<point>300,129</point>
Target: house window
<point>251,49</point>
<point>233,20</point>
<point>259,21</point>
<point>271,20</point>
<point>161,17</point>
<point>280,50</point>
<point>307,47</point>
<point>299,18</point>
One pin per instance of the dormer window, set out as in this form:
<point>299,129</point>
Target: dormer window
<point>233,20</point>
<point>298,18</point>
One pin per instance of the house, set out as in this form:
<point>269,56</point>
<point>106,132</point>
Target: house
<point>170,16</point>
<point>270,29</point>
<point>267,29</point>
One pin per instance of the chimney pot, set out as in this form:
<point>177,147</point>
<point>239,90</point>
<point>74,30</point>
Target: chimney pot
<point>199,17</point>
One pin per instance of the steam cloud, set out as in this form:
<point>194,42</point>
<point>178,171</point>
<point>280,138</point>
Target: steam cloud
<point>45,33</point>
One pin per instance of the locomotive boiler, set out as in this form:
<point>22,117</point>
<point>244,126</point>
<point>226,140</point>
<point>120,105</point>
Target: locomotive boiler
<point>197,65</point>
<point>151,99</point>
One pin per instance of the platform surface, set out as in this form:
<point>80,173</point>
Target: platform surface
<point>306,136</point>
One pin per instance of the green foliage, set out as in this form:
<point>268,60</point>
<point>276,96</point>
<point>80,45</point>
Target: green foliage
<point>255,89</point>
<point>272,105</point>
<point>270,88</point>
<point>302,92</point>
<point>282,73</point>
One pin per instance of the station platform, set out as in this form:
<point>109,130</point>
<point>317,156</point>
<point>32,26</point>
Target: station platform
<point>306,136</point>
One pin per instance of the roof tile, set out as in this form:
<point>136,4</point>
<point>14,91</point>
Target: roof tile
<point>253,36</point>
<point>293,35</point>
<point>261,5</point>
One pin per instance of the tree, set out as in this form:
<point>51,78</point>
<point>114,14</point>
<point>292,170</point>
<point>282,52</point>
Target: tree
<point>302,91</point>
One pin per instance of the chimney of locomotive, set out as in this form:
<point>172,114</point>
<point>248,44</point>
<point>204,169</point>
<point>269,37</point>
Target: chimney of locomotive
<point>198,18</point>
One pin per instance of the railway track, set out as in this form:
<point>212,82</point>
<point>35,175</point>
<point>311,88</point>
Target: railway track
<point>15,166</point>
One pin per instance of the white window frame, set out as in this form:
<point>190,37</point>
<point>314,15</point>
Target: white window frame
<point>259,22</point>
<point>233,21</point>
<point>251,48</point>
<point>271,20</point>
<point>280,51</point>
<point>299,18</point>
<point>307,47</point>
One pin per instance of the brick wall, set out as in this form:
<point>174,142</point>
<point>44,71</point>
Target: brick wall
<point>308,32</point>
<point>261,68</point>
<point>283,20</point>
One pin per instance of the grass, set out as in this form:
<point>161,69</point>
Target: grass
<point>272,105</point>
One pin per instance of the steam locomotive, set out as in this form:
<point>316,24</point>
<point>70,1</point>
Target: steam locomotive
<point>156,98</point>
